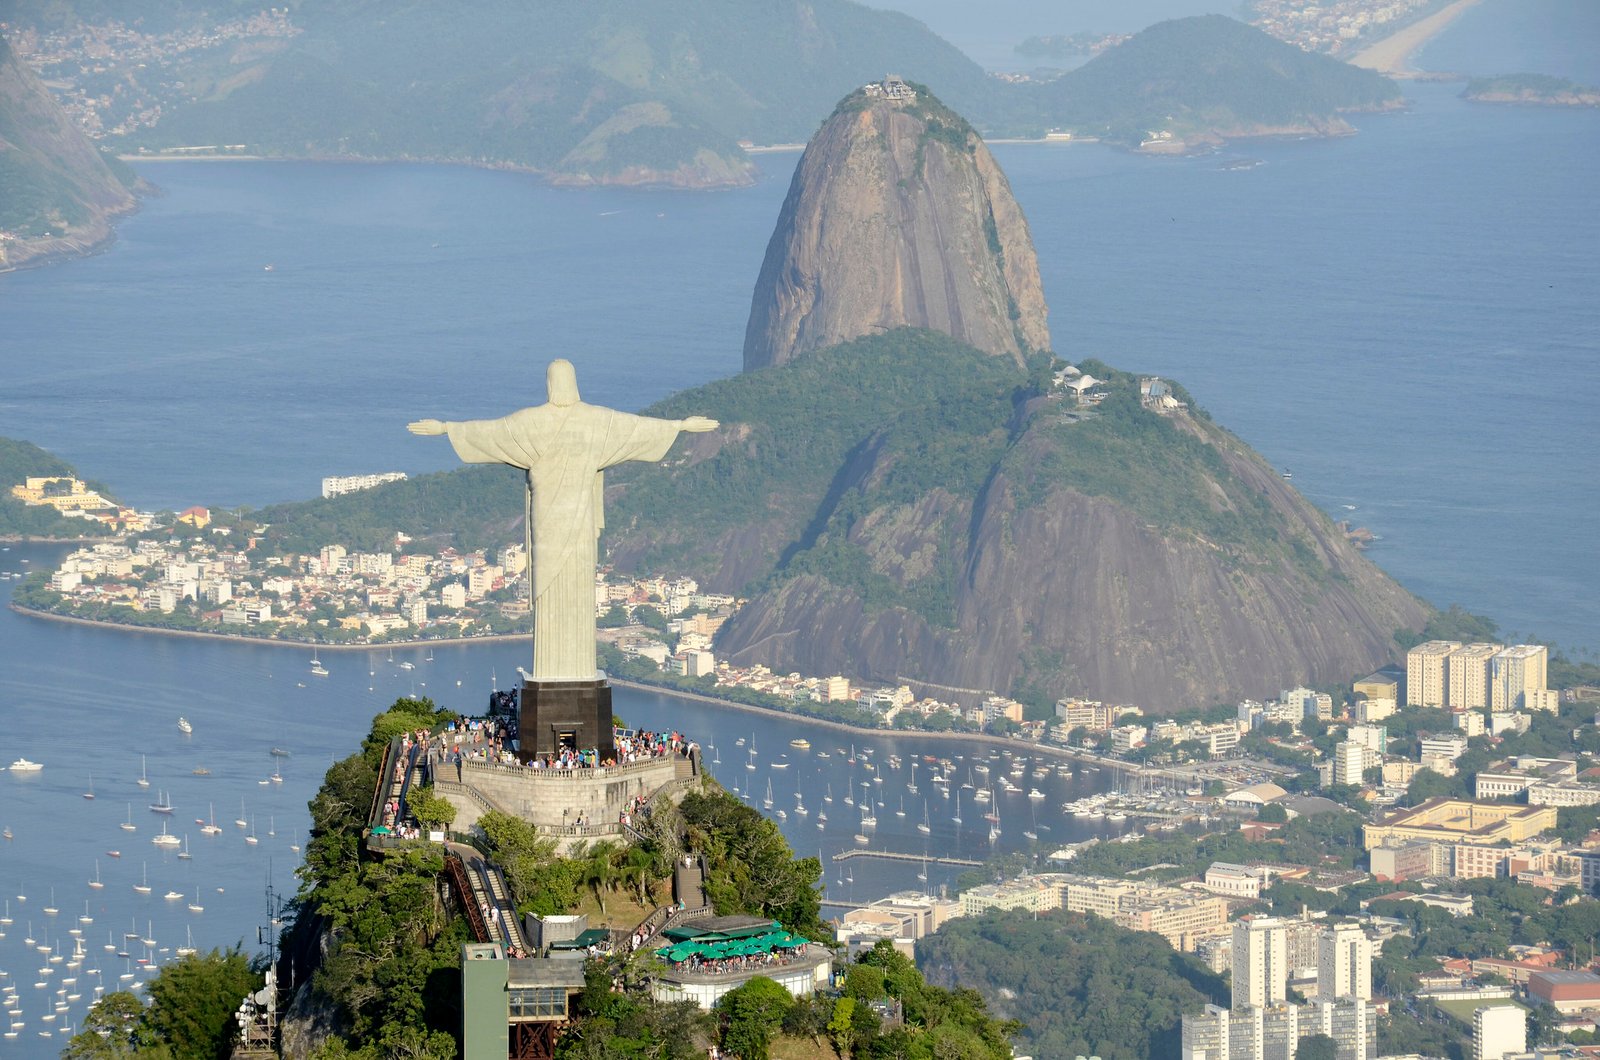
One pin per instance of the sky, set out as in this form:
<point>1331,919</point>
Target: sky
<point>988,30</point>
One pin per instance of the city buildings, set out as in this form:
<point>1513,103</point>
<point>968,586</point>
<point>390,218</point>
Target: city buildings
<point>1499,1031</point>
<point>1459,822</point>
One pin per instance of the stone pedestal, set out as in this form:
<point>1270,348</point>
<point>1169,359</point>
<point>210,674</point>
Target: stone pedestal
<point>557,715</point>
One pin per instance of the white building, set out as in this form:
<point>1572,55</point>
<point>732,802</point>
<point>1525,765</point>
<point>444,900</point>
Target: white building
<point>1260,962</point>
<point>336,485</point>
<point>1344,962</point>
<point>1444,745</point>
<point>1499,1031</point>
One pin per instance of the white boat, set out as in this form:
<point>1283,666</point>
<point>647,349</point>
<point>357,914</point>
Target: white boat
<point>184,726</point>
<point>322,671</point>
<point>184,855</point>
<point>251,838</point>
<point>127,826</point>
<point>143,887</point>
<point>173,896</point>
<point>211,828</point>
<point>195,906</point>
<point>187,949</point>
<point>144,778</point>
<point>1035,793</point>
<point>90,793</point>
<point>22,765</point>
<point>166,838</point>
<point>163,804</point>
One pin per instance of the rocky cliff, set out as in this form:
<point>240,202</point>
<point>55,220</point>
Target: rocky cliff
<point>58,194</point>
<point>901,508</point>
<point>897,216</point>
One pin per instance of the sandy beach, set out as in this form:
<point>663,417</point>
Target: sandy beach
<point>1392,55</point>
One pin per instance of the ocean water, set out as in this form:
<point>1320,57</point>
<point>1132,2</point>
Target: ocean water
<point>1403,319</point>
<point>99,707</point>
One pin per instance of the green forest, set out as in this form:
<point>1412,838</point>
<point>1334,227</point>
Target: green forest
<point>1079,985</point>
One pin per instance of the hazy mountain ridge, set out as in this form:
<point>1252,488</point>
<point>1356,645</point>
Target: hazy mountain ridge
<point>632,93</point>
<point>897,216</point>
<point>1208,78</point>
<point>58,194</point>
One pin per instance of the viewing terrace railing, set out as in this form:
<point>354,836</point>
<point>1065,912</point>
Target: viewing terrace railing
<point>587,773</point>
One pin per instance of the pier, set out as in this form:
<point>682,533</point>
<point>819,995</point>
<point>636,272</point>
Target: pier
<point>889,855</point>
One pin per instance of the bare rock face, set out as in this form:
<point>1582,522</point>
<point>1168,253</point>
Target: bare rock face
<point>897,216</point>
<point>1074,594</point>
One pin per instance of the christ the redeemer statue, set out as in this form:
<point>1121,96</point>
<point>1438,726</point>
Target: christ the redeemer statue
<point>564,446</point>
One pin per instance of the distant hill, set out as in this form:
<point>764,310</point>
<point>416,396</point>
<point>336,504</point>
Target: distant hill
<point>1535,89</point>
<point>635,92</point>
<point>58,193</point>
<point>619,91</point>
<point>897,216</point>
<point>1207,78</point>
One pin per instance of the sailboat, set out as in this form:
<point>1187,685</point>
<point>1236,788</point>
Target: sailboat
<point>272,825</point>
<point>957,817</point>
<point>163,804</point>
<point>187,949</point>
<point>251,838</point>
<point>90,793</point>
<point>829,796</point>
<point>239,820</point>
<point>901,812</point>
<point>194,903</point>
<point>317,667</point>
<point>912,787</point>
<point>51,910</point>
<point>143,887</point>
<point>144,779</point>
<point>294,847</point>
<point>166,838</point>
<point>95,883</point>
<point>212,827</point>
<point>994,829</point>
<point>127,826</point>
<point>767,802</point>
<point>184,855</point>
<point>923,826</point>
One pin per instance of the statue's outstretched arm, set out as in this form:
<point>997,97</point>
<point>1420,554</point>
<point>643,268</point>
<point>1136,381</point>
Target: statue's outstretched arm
<point>427,427</point>
<point>697,424</point>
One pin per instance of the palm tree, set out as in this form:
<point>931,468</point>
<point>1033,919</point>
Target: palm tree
<point>600,870</point>
<point>636,871</point>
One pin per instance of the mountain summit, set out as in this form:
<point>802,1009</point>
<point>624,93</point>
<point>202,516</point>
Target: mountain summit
<point>897,216</point>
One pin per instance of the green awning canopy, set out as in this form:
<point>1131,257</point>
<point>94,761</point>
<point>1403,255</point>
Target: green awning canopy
<point>591,937</point>
<point>714,945</point>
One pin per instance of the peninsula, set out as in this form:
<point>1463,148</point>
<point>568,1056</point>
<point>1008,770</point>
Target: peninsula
<point>1538,90</point>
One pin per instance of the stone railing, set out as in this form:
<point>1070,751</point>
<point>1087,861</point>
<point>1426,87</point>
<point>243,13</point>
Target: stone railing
<point>591,773</point>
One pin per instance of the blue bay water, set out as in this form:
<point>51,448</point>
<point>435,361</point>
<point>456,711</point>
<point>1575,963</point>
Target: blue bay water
<point>97,706</point>
<point>1404,318</point>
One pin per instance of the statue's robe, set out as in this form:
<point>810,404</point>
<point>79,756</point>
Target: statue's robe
<point>565,450</point>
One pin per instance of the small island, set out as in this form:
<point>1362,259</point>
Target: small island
<point>1538,90</point>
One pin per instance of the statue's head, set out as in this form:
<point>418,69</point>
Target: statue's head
<point>561,383</point>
